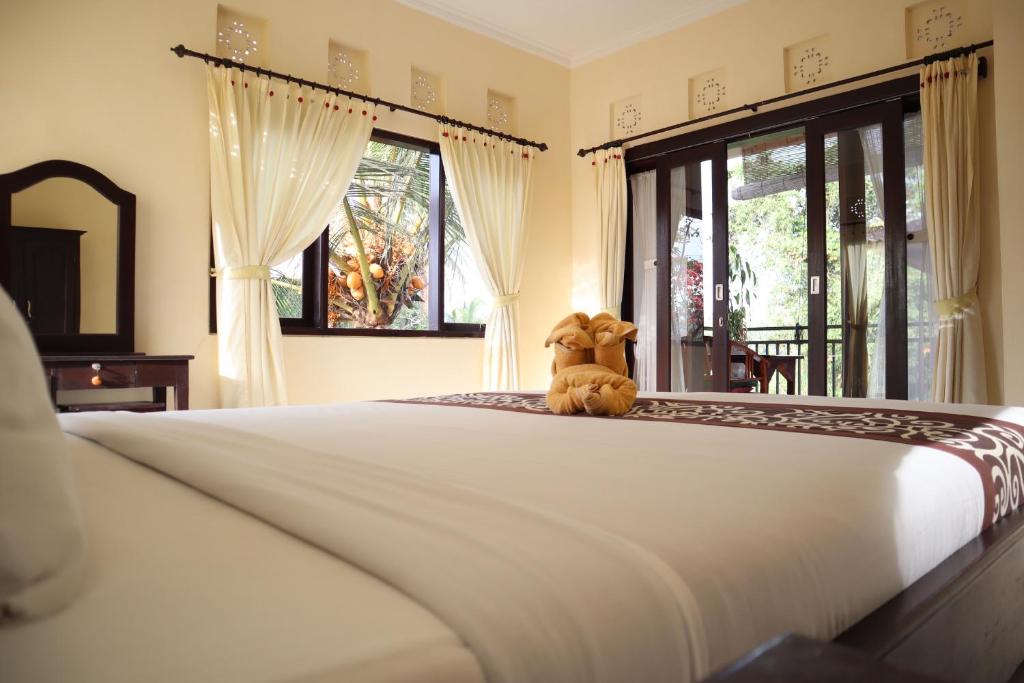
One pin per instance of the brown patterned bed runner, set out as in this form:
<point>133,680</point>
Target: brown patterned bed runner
<point>995,448</point>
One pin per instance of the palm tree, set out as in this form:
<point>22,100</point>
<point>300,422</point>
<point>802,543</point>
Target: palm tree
<point>378,241</point>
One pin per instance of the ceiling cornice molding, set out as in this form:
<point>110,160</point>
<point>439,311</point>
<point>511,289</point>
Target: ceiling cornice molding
<point>660,26</point>
<point>483,28</point>
<point>692,14</point>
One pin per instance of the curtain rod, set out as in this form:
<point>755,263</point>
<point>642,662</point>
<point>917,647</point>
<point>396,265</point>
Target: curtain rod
<point>183,51</point>
<point>960,51</point>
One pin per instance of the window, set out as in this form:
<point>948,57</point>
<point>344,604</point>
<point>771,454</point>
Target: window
<point>393,258</point>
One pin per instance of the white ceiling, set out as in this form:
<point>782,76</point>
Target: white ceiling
<point>570,32</point>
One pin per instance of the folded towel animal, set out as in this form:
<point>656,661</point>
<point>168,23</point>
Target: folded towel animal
<point>591,388</point>
<point>573,342</point>
<point>590,370</point>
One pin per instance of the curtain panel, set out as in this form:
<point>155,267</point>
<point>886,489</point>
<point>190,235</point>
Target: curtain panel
<point>610,183</point>
<point>645,279</point>
<point>872,384</point>
<point>490,183</point>
<point>281,157</point>
<point>949,113</point>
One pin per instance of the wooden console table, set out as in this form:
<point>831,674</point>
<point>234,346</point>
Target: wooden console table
<point>118,371</point>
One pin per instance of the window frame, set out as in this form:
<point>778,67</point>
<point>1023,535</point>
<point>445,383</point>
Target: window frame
<point>315,263</point>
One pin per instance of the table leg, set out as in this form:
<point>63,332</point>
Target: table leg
<point>790,375</point>
<point>181,389</point>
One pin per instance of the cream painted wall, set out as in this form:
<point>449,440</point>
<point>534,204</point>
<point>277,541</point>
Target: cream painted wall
<point>95,82</point>
<point>71,204</point>
<point>748,42</point>
<point>104,90</point>
<point>1008,32</point>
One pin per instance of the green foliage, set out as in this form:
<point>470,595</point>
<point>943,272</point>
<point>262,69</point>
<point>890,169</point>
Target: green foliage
<point>472,312</point>
<point>287,295</point>
<point>738,324</point>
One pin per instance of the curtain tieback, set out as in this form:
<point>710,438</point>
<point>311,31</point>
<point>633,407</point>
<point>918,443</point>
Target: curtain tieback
<point>954,306</point>
<point>506,299</point>
<point>242,272</point>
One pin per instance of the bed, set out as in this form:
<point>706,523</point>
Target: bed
<point>477,537</point>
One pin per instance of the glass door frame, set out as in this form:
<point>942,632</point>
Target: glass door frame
<point>886,103</point>
<point>889,115</point>
<point>716,153</point>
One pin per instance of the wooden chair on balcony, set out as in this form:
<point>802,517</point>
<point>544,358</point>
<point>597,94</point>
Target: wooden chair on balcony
<point>755,369</point>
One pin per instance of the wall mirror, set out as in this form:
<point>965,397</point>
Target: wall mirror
<point>67,253</point>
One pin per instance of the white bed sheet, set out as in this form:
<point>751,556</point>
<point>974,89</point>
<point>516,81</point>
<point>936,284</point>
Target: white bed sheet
<point>168,599</point>
<point>770,531</point>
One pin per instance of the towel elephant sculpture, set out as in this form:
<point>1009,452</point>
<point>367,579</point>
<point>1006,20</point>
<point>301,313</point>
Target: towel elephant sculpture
<point>590,373</point>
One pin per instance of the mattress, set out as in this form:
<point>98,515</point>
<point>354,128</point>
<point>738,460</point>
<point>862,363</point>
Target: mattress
<point>767,531</point>
<point>183,588</point>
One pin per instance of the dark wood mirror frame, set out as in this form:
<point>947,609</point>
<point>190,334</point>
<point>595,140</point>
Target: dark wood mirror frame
<point>123,340</point>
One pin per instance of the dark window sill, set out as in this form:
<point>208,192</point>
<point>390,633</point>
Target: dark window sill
<point>297,328</point>
<point>450,331</point>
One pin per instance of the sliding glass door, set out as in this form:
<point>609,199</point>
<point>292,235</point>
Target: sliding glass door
<point>691,275</point>
<point>677,293</point>
<point>767,257</point>
<point>778,262</point>
<point>855,263</point>
<point>857,247</point>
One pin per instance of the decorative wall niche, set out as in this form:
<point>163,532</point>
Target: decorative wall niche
<point>808,63</point>
<point>935,26</point>
<point>627,114</point>
<point>501,112</point>
<point>240,37</point>
<point>707,93</point>
<point>426,91</point>
<point>348,68</point>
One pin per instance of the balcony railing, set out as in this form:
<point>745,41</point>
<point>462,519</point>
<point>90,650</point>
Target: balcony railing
<point>792,341</point>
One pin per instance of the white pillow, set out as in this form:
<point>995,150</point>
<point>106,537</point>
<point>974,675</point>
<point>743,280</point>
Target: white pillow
<point>42,545</point>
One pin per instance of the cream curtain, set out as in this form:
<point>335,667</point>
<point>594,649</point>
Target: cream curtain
<point>490,183</point>
<point>610,182</point>
<point>871,144</point>
<point>922,323</point>
<point>645,279</point>
<point>681,225</point>
<point>281,157</point>
<point>949,113</point>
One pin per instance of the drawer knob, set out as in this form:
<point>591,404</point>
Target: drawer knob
<point>96,380</point>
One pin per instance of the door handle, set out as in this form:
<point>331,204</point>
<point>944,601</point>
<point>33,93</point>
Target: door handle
<point>719,292</point>
<point>816,284</point>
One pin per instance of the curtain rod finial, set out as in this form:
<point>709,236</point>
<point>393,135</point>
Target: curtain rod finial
<point>179,50</point>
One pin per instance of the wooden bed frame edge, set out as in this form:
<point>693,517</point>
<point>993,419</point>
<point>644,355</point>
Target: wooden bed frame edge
<point>961,616</point>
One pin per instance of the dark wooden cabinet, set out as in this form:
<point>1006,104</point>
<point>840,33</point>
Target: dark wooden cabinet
<point>45,274</point>
<point>118,371</point>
